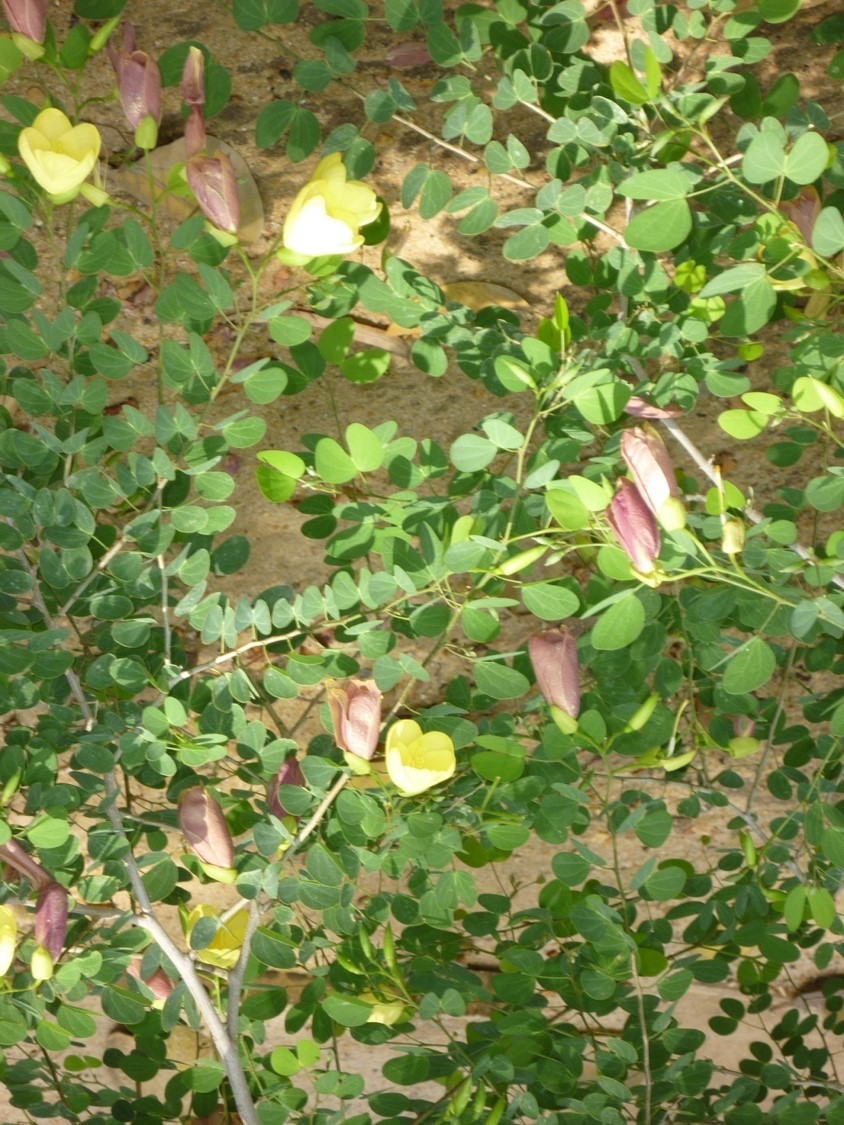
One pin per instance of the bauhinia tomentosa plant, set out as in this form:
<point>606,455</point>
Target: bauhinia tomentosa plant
<point>210,795</point>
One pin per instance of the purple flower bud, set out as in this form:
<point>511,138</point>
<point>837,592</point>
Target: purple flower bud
<point>51,919</point>
<point>138,83</point>
<point>194,132</point>
<point>553,654</point>
<point>634,526</point>
<point>653,474</point>
<point>290,773</point>
<point>193,77</point>
<point>356,717</point>
<point>213,182</point>
<point>27,18</point>
<point>14,855</point>
<point>641,408</point>
<point>204,827</point>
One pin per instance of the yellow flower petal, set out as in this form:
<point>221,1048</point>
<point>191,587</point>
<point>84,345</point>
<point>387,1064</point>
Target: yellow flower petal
<point>59,155</point>
<point>417,761</point>
<point>327,214</point>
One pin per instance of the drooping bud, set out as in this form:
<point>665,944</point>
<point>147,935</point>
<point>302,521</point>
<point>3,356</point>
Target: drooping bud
<point>51,919</point>
<point>553,654</point>
<point>634,526</point>
<point>139,86</point>
<point>290,773</point>
<point>204,827</point>
<point>356,717</point>
<point>41,965</point>
<point>27,18</point>
<point>8,939</point>
<point>213,182</point>
<point>193,77</point>
<point>14,855</point>
<point>639,407</point>
<point>650,466</point>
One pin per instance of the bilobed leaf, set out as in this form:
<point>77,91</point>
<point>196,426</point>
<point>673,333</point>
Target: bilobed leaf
<point>471,452</point>
<point>661,227</point>
<point>733,279</point>
<point>662,184</point>
<point>365,447</point>
<point>499,680</point>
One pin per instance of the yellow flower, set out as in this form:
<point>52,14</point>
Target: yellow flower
<point>224,948</point>
<point>8,939</point>
<point>416,761</point>
<point>327,214</point>
<point>59,155</point>
<point>387,1012</point>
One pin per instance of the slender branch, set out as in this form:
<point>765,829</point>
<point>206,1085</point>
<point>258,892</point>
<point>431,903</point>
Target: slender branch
<point>102,563</point>
<point>239,971</point>
<point>226,1048</point>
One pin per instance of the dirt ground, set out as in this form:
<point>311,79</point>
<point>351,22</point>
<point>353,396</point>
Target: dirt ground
<point>424,407</point>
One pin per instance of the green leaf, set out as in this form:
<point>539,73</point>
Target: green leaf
<point>365,447</point>
<point>365,366</point>
<point>471,452</point>
<point>742,424</point>
<point>661,227</point>
<point>750,309</point>
<point>764,159</point>
<point>289,330</point>
<point>807,159</point>
<point>828,232</point>
<point>778,11</point>
<point>499,680</point>
<point>663,184</point>
<point>333,463</point>
<point>550,602</point>
<point>750,668</point>
<point>348,1011</point>
<point>620,625</point>
<point>626,85</point>
<point>733,279</point>
<point>527,244</point>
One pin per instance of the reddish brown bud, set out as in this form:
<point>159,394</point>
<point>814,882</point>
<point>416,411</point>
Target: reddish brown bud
<point>553,654</point>
<point>27,18</point>
<point>650,466</point>
<point>194,132</point>
<point>138,80</point>
<point>157,982</point>
<point>204,827</point>
<point>193,77</point>
<point>634,526</point>
<point>356,716</point>
<point>51,919</point>
<point>213,182</point>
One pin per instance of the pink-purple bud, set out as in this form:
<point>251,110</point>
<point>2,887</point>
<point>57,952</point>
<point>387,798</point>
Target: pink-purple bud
<point>212,180</point>
<point>14,855</point>
<point>290,773</point>
<point>194,132</point>
<point>553,654</point>
<point>634,526</point>
<point>27,18</point>
<point>650,467</point>
<point>204,827</point>
<point>51,919</point>
<point>193,77</point>
<point>640,408</point>
<point>356,716</point>
<point>138,80</point>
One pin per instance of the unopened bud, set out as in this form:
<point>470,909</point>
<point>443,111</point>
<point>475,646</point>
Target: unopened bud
<point>640,717</point>
<point>213,182</point>
<point>51,919</point>
<point>645,455</point>
<point>28,18</point>
<point>634,526</point>
<point>553,654</point>
<point>193,77</point>
<point>207,834</point>
<point>356,717</point>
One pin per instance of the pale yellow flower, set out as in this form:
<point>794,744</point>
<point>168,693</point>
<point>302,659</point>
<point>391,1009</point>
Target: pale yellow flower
<point>224,948</point>
<point>60,156</point>
<point>388,1012</point>
<point>327,214</point>
<point>416,761</point>
<point>8,939</point>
